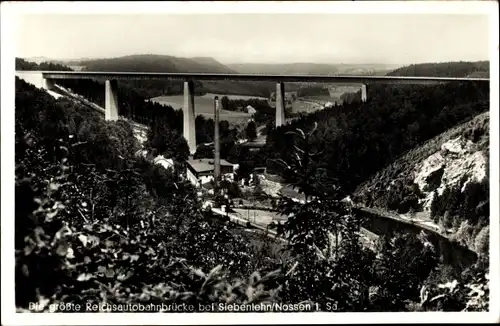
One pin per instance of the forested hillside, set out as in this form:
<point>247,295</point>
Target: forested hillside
<point>159,63</point>
<point>137,108</point>
<point>446,69</point>
<point>97,224</point>
<point>394,120</point>
<point>22,64</point>
<point>155,63</point>
<point>163,63</point>
<point>90,212</point>
<point>446,178</point>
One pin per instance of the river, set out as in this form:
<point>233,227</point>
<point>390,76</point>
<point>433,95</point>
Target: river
<point>450,253</point>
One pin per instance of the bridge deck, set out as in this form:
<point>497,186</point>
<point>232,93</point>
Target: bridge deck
<point>254,77</point>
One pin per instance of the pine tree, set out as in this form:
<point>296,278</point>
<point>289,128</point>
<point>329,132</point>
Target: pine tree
<point>251,131</point>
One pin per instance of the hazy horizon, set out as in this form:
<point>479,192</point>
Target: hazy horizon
<point>225,63</point>
<point>259,38</point>
<point>248,63</point>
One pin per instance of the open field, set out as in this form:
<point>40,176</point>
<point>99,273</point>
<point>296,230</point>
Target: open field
<point>258,216</point>
<point>204,105</point>
<point>234,97</point>
<point>307,106</point>
<point>319,98</point>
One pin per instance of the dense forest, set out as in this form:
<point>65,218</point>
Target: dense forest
<point>348,135</point>
<point>135,106</point>
<point>394,120</point>
<point>22,64</point>
<point>445,69</point>
<point>351,97</point>
<point>465,208</point>
<point>155,63</point>
<point>162,63</point>
<point>312,91</point>
<point>90,212</point>
<point>105,225</point>
<point>461,209</point>
<point>158,63</point>
<point>155,115</point>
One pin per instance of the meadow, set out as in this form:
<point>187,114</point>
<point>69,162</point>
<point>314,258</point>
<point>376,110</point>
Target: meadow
<point>204,105</point>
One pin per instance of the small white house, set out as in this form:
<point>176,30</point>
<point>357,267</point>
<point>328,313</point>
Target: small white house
<point>201,171</point>
<point>166,163</point>
<point>250,110</point>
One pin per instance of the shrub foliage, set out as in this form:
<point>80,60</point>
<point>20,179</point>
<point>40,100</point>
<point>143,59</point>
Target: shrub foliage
<point>95,223</point>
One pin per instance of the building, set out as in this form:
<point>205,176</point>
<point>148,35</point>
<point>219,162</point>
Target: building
<point>166,163</point>
<point>250,110</point>
<point>201,171</point>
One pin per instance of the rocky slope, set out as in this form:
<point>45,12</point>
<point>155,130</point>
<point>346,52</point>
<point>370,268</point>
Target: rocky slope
<point>457,158</point>
<point>458,152</point>
<point>451,167</point>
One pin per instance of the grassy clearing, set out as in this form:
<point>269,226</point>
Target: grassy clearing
<point>204,105</point>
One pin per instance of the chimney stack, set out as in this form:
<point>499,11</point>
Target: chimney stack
<point>216,142</point>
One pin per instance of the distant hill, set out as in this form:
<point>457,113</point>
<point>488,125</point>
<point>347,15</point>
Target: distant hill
<point>291,68</point>
<point>38,60</point>
<point>156,63</point>
<point>311,68</point>
<point>22,64</point>
<point>213,64</point>
<point>445,69</point>
<point>479,74</point>
<point>165,63</point>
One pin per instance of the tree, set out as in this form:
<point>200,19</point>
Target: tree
<point>22,64</point>
<point>355,133</point>
<point>167,142</point>
<point>93,218</point>
<point>402,266</point>
<point>225,103</point>
<point>482,241</point>
<point>93,222</point>
<point>322,234</point>
<point>251,130</point>
<point>245,162</point>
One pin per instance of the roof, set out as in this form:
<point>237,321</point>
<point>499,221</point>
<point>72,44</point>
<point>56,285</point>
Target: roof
<point>254,144</point>
<point>206,164</point>
<point>250,109</point>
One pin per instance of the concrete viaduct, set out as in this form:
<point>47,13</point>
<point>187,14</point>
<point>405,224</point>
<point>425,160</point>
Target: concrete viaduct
<point>111,86</point>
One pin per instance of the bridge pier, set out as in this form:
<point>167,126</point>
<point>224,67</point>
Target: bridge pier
<point>363,92</point>
<point>189,116</point>
<point>111,100</point>
<point>48,84</point>
<point>280,104</point>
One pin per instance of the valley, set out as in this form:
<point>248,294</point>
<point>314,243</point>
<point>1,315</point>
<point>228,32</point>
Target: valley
<point>309,177</point>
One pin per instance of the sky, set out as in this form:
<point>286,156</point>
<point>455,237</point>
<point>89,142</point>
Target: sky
<point>259,38</point>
